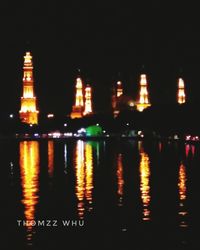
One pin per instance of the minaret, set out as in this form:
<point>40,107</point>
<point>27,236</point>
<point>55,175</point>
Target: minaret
<point>117,92</point>
<point>77,109</point>
<point>28,112</point>
<point>88,100</point>
<point>143,99</point>
<point>119,89</point>
<point>181,91</point>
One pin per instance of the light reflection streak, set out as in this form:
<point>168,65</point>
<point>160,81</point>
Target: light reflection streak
<point>182,195</point>
<point>29,170</point>
<point>50,158</point>
<point>144,170</point>
<point>84,176</point>
<point>120,180</point>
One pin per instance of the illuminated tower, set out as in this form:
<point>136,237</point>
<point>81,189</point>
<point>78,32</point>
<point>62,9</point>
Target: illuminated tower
<point>88,100</point>
<point>78,108</point>
<point>119,89</point>
<point>181,91</point>
<point>28,112</point>
<point>117,92</point>
<point>143,99</point>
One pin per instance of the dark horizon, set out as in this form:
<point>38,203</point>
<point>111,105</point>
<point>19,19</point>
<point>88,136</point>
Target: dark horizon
<point>102,40</point>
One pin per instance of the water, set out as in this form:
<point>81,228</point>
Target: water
<point>110,194</point>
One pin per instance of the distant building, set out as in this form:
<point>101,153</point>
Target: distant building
<point>28,112</point>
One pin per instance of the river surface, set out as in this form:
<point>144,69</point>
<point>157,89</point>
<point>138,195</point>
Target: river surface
<point>112,194</point>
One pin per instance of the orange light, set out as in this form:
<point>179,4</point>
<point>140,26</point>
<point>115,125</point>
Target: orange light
<point>181,91</point>
<point>120,179</point>
<point>182,195</point>
<point>88,100</point>
<point>29,170</point>
<point>143,98</point>
<point>28,111</point>
<point>144,183</point>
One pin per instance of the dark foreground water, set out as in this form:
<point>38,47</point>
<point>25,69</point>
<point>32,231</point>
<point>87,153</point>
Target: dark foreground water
<point>101,194</point>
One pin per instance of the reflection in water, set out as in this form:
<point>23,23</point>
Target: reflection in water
<point>50,158</point>
<point>189,149</point>
<point>160,146</point>
<point>182,195</point>
<point>89,174</point>
<point>65,158</point>
<point>120,180</point>
<point>144,182</point>
<point>84,176</point>
<point>29,168</point>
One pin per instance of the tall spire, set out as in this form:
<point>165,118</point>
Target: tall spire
<point>181,91</point>
<point>28,112</point>
<point>117,91</point>
<point>88,100</point>
<point>143,98</point>
<point>77,109</point>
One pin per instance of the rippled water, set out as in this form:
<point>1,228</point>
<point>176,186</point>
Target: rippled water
<point>110,194</point>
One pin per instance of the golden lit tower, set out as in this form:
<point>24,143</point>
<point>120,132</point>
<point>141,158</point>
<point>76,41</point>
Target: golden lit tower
<point>181,91</point>
<point>143,99</point>
<point>28,112</point>
<point>78,108</point>
<point>88,100</point>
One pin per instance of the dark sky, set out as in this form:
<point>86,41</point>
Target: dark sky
<point>101,38</point>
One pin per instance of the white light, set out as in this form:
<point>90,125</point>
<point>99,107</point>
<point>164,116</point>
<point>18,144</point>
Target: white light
<point>97,124</point>
<point>11,115</point>
<point>50,115</point>
<point>65,124</point>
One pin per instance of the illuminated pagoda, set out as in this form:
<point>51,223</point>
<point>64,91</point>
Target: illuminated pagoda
<point>78,108</point>
<point>28,112</point>
<point>181,91</point>
<point>143,99</point>
<point>88,101</point>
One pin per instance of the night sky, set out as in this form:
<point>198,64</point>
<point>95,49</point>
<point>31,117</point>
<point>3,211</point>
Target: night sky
<point>106,41</point>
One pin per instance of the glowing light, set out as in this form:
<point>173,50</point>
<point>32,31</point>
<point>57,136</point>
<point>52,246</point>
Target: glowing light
<point>84,177</point>
<point>28,112</point>
<point>119,89</point>
<point>77,109</point>
<point>181,91</point>
<point>182,195</point>
<point>88,100</point>
<point>143,99</point>
<point>120,180</point>
<point>89,174</point>
<point>144,183</point>
<point>50,158</point>
<point>29,171</point>
<point>80,180</point>
<point>50,115</point>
